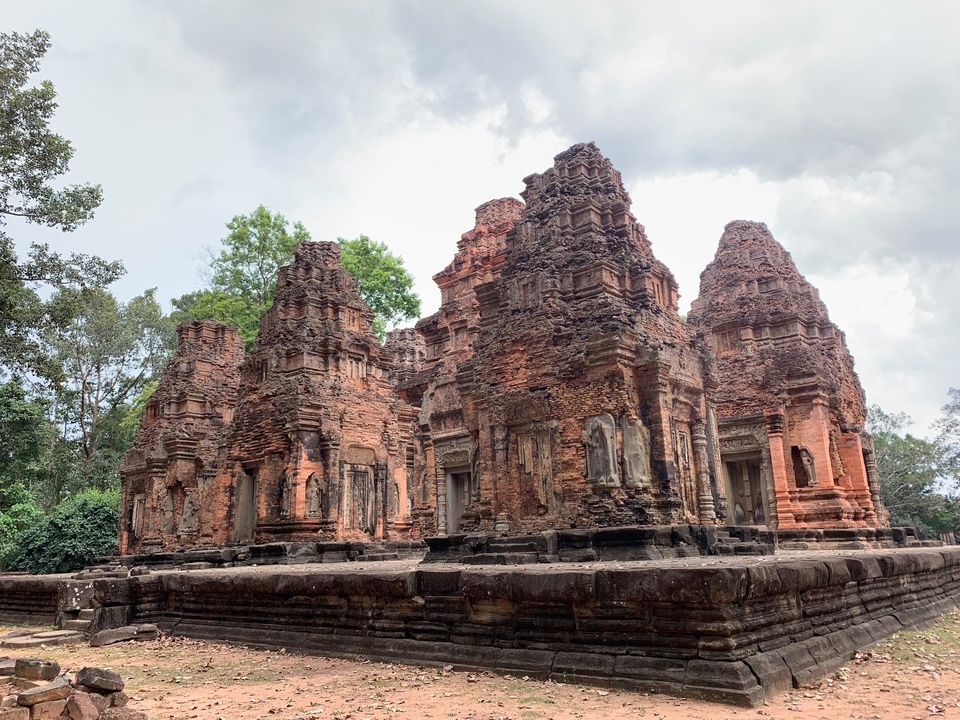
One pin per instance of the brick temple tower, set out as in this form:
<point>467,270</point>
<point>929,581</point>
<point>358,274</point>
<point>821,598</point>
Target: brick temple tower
<point>583,399</point>
<point>316,448</point>
<point>169,493</point>
<point>791,410</point>
<point>445,449</point>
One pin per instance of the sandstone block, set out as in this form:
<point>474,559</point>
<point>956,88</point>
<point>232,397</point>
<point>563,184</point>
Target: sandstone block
<point>80,706</point>
<point>118,699</point>
<point>15,713</point>
<point>123,713</point>
<point>100,679</point>
<point>49,710</point>
<point>37,669</point>
<point>7,666</point>
<point>58,689</point>
<point>113,635</point>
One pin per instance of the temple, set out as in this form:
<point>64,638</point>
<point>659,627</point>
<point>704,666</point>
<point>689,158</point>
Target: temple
<point>790,408</point>
<point>557,387</point>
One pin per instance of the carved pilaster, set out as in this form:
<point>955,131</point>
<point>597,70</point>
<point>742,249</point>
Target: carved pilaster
<point>704,494</point>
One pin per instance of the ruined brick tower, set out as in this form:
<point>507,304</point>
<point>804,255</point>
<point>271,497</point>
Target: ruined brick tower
<point>315,449</point>
<point>445,447</point>
<point>169,493</point>
<point>583,400</point>
<point>791,410</point>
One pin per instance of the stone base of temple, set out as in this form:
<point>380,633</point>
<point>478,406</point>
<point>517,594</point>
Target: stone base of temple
<point>656,542</point>
<point>732,629</point>
<point>274,553</point>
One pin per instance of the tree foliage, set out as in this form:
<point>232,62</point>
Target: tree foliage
<point>72,536</point>
<point>109,352</point>
<point>32,158</point>
<point>243,275</point>
<point>915,475</point>
<point>383,281</point>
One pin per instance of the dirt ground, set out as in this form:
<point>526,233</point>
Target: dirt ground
<point>913,675</point>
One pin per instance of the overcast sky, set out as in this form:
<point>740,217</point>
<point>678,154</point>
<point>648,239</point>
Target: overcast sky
<point>836,123</point>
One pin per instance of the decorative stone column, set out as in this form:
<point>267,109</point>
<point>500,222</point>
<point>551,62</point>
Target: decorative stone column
<point>873,481</point>
<point>778,469</point>
<point>704,494</point>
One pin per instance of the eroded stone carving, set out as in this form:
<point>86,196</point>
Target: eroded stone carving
<point>636,453</point>
<point>600,439</point>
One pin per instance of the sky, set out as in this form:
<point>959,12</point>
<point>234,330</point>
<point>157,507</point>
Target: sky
<point>836,123</point>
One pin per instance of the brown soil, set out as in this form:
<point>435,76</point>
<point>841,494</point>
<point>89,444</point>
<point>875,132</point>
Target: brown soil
<point>913,675</point>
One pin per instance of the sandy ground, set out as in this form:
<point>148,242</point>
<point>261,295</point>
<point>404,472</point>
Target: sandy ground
<point>913,675</point>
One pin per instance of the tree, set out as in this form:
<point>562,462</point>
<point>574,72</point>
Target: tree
<point>109,351</point>
<point>948,432</point>
<point>243,277</point>
<point>25,435</point>
<point>911,473</point>
<point>72,536</point>
<point>31,159</point>
<point>383,281</point>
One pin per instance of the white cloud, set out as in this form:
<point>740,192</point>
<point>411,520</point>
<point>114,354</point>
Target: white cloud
<point>837,124</point>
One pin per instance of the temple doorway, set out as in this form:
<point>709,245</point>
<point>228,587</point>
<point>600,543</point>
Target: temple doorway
<point>746,491</point>
<point>246,508</point>
<point>459,492</point>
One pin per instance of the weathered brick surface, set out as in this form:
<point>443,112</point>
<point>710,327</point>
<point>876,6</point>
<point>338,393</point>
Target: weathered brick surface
<point>583,397</point>
<point>443,435</point>
<point>557,387</point>
<point>317,432</point>
<point>784,384</point>
<point>170,495</point>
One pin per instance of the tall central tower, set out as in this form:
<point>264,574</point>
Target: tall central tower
<point>584,396</point>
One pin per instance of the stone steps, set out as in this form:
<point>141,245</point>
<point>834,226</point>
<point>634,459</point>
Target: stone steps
<point>513,547</point>
<point>376,557</point>
<point>505,558</point>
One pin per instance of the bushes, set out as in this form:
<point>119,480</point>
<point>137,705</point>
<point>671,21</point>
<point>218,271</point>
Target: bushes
<point>72,536</point>
<point>14,521</point>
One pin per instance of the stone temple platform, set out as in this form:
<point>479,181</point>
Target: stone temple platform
<point>733,629</point>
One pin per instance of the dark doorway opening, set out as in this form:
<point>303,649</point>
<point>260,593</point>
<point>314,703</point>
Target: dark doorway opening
<point>746,494</point>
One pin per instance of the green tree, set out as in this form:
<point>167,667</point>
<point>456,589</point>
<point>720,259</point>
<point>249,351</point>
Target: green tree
<point>25,433</point>
<point>32,158</point>
<point>912,472</point>
<point>72,536</point>
<point>948,432</point>
<point>110,352</point>
<point>243,276</point>
<point>383,281</point>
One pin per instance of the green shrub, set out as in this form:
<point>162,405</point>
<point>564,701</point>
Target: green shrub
<point>14,522</point>
<point>79,530</point>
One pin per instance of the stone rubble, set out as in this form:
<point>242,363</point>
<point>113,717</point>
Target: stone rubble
<point>92,694</point>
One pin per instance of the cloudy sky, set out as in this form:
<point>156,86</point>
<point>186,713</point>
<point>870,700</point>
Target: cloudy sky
<point>836,123</point>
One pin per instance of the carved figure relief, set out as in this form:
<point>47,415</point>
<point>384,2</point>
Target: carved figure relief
<point>600,439</point>
<point>169,512</point>
<point>188,520</point>
<point>314,496</point>
<point>285,499</point>
<point>804,472</point>
<point>636,453</point>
